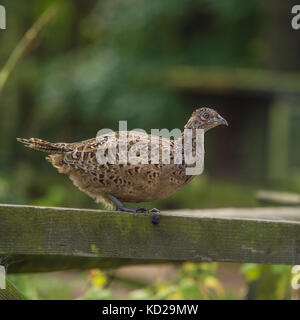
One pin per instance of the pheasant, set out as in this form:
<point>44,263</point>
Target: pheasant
<point>124,182</point>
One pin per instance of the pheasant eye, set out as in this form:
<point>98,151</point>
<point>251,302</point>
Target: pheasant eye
<point>205,115</point>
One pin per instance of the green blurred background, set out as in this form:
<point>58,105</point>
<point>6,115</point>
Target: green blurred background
<point>152,62</point>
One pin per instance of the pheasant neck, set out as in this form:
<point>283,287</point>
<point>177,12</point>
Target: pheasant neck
<point>194,132</point>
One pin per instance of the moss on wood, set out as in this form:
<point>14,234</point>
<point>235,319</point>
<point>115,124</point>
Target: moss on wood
<point>47,239</point>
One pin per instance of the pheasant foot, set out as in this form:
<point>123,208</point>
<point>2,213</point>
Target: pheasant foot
<point>131,209</point>
<point>119,206</point>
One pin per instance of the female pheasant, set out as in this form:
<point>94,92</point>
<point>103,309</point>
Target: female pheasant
<point>124,182</point>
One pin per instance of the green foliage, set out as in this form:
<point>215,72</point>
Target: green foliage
<point>52,286</point>
<point>268,281</point>
<point>194,281</point>
<point>191,281</point>
<point>103,61</point>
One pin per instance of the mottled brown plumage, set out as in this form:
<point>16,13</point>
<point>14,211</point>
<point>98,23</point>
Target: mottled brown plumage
<point>124,182</point>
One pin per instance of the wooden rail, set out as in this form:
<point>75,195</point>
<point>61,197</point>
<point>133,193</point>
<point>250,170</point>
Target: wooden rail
<point>279,198</point>
<point>46,239</point>
<point>222,80</point>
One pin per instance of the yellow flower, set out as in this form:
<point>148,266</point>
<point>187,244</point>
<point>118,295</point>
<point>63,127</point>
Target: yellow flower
<point>97,278</point>
<point>214,284</point>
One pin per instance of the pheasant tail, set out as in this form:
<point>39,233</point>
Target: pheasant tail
<point>45,146</point>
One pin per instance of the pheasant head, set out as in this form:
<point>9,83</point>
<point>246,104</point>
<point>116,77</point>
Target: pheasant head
<point>205,118</point>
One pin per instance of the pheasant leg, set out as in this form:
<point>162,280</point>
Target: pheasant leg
<point>120,206</point>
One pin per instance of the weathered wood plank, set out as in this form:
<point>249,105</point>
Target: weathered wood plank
<point>228,80</point>
<point>278,197</point>
<point>44,239</point>
<point>10,293</point>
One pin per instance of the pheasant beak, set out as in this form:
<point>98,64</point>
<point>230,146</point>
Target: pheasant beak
<point>221,120</point>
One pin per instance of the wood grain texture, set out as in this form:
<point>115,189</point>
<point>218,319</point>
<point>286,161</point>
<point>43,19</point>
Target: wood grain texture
<point>46,239</point>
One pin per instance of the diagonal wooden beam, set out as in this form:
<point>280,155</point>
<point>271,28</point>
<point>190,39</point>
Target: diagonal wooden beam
<point>10,292</point>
